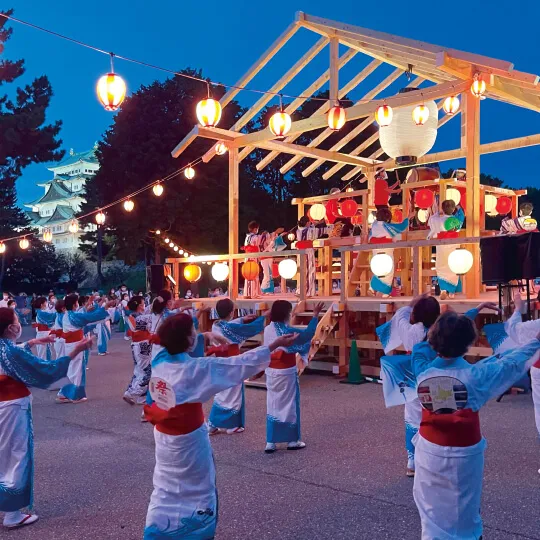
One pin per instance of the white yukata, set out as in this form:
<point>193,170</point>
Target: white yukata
<point>441,227</point>
<point>73,324</point>
<point>59,342</point>
<point>44,323</point>
<point>228,410</point>
<point>103,332</point>
<point>20,369</point>
<point>449,454</point>
<point>184,501</point>
<point>384,233</point>
<point>140,326</point>
<point>283,389</point>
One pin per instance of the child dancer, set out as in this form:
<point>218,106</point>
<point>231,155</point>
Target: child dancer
<point>184,500</point>
<point>283,390</point>
<point>43,325</point>
<point>449,455</point>
<point>59,342</point>
<point>228,410</point>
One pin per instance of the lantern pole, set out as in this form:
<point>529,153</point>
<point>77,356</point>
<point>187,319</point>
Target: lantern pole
<point>233,222</point>
<point>99,253</point>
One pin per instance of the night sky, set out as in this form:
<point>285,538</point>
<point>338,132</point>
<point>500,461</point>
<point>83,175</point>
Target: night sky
<point>226,38</point>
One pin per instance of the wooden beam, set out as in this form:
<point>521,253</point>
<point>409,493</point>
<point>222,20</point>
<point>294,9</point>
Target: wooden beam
<point>184,143</point>
<point>233,201</point>
<point>514,94</point>
<point>324,198</point>
<point>334,70</point>
<point>353,83</point>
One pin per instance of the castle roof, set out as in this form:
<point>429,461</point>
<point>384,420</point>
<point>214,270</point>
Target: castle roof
<point>66,178</point>
<point>57,192</point>
<point>88,157</point>
<point>61,214</point>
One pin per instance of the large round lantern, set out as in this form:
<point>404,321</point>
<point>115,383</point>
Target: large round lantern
<point>422,215</point>
<point>453,194</point>
<point>381,264</point>
<point>490,203</point>
<point>192,273</point>
<point>287,268</point>
<point>420,115</point>
<point>397,215</point>
<point>371,218</point>
<point>129,205</point>
<point>504,205</point>
<point>2,247</point>
<point>100,218</point>
<point>383,115</point>
<point>424,198</point>
<point>349,208</point>
<point>220,271</point>
<point>158,190</point>
<point>460,261</point>
<point>250,270</point>
<point>111,91</point>
<point>403,140</point>
<point>336,118</point>
<point>451,105</point>
<point>47,235</point>
<point>189,173</point>
<point>280,124</point>
<point>73,226</point>
<point>317,212</point>
<point>208,112</point>
<point>24,243</point>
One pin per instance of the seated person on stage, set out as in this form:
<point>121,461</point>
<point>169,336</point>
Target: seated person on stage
<point>521,224</point>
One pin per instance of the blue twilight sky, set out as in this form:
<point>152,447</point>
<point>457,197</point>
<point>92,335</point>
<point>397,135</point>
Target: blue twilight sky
<point>226,38</point>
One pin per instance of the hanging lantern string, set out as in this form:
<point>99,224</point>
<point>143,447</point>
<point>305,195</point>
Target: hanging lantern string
<point>172,72</point>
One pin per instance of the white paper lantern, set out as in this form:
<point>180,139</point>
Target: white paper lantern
<point>453,194</point>
<point>317,212</point>
<point>220,271</point>
<point>381,264</point>
<point>371,218</point>
<point>403,140</point>
<point>422,215</point>
<point>460,261</point>
<point>287,268</point>
<point>490,203</point>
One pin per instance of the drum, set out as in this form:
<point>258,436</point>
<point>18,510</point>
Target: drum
<point>422,174</point>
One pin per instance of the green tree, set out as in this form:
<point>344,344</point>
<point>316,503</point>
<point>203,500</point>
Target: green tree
<point>74,268</point>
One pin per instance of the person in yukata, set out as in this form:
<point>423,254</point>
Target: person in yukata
<point>59,341</point>
<point>283,389</point>
<point>521,224</point>
<point>184,502</point>
<point>43,325</point>
<point>228,410</point>
<point>449,447</point>
<point>19,371</point>
<point>384,232</point>
<point>446,225</point>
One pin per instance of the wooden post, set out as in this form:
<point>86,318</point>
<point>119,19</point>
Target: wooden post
<point>301,210</point>
<point>417,271</point>
<point>233,201</point>
<point>470,142</point>
<point>365,214</point>
<point>334,71</point>
<point>233,279</point>
<point>344,278</point>
<point>302,281</point>
<point>343,337</point>
<point>326,267</point>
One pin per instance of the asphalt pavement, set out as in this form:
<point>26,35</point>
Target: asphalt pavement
<point>94,463</point>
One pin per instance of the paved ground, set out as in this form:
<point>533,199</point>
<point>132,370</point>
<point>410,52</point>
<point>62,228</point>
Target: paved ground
<point>94,467</point>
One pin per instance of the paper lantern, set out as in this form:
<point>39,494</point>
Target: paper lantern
<point>420,115</point>
<point>331,208</point>
<point>287,268</point>
<point>397,215</point>
<point>349,189</point>
<point>220,271</point>
<point>490,203</point>
<point>208,112</point>
<point>280,124</point>
<point>158,190</point>
<point>451,105</point>
<point>100,218</point>
<point>317,212</point>
<point>381,264</point>
<point>422,215</point>
<point>189,173</point>
<point>504,205</point>
<point>383,115</point>
<point>453,194</point>
<point>403,140</point>
<point>129,205</point>
<point>167,240</point>
<point>158,232</point>
<point>73,226</point>
<point>176,248</point>
<point>423,198</point>
<point>529,224</point>
<point>180,252</point>
<point>47,235</point>
<point>460,261</point>
<point>349,208</point>
<point>336,118</point>
<point>478,87</point>
<point>2,247</point>
<point>192,273</point>
<point>250,270</point>
<point>371,218</point>
<point>111,91</point>
<point>24,243</point>
<point>358,219</point>
<point>291,237</point>
<point>221,148</point>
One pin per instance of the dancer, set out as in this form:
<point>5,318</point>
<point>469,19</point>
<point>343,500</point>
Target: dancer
<point>228,410</point>
<point>43,325</point>
<point>184,500</point>
<point>19,370</point>
<point>446,225</point>
<point>384,232</point>
<point>73,324</point>
<point>103,331</point>
<point>283,390</point>
<point>449,453</point>
<point>59,341</point>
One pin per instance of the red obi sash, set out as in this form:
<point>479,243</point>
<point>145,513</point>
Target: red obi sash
<point>251,249</point>
<point>140,335</point>
<point>537,364</point>
<point>179,420</point>
<point>380,240</point>
<point>304,244</point>
<point>232,349</point>
<point>11,389</point>
<point>447,234</point>
<point>73,337</point>
<point>282,360</point>
<point>461,428</point>
<point>58,333</point>
<point>40,327</point>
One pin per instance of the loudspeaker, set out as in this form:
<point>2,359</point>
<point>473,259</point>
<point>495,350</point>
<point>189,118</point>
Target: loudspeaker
<point>155,278</point>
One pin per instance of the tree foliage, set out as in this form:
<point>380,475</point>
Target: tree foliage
<point>74,268</point>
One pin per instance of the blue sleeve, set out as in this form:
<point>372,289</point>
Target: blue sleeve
<point>397,228</point>
<point>461,216</point>
<point>198,352</point>
<point>422,357</point>
<point>83,319</point>
<point>302,343</point>
<point>246,330</point>
<point>22,365</point>
<point>472,314</point>
<point>196,325</point>
<point>45,317</point>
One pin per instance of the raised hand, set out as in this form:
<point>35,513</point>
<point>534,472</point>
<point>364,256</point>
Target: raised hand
<point>317,309</point>
<point>489,305</point>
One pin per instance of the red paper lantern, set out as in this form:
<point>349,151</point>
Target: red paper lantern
<point>331,211</point>
<point>424,198</point>
<point>250,270</point>
<point>349,208</point>
<point>504,205</point>
<point>463,200</point>
<point>357,219</point>
<point>397,215</point>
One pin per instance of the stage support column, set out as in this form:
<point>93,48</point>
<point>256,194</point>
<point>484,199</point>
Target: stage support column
<point>470,142</point>
<point>233,221</point>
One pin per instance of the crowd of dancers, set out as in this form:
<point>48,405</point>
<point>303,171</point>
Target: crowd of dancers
<point>177,369</point>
